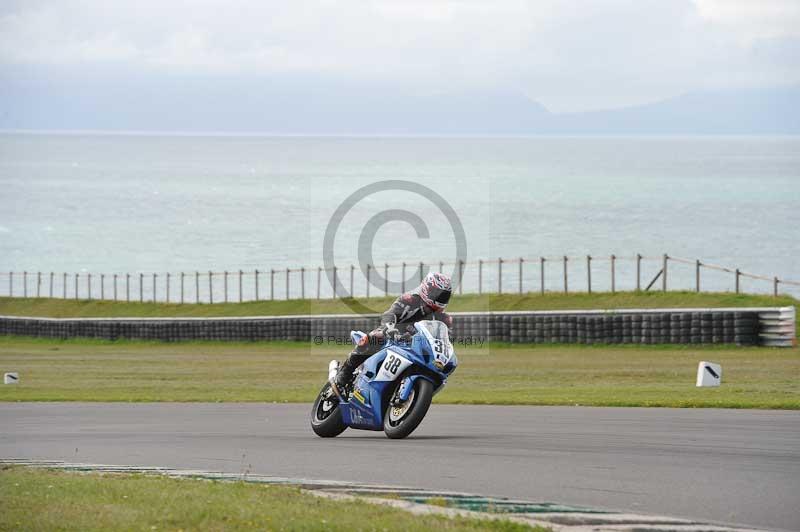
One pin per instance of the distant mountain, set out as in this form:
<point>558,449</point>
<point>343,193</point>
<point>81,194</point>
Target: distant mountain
<point>750,112</point>
<point>304,106</point>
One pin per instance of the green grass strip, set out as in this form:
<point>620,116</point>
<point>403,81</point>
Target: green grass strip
<point>67,308</point>
<point>35,499</point>
<point>509,374</point>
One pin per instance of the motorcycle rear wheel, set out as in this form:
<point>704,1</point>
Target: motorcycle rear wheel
<point>420,402</point>
<point>326,416</point>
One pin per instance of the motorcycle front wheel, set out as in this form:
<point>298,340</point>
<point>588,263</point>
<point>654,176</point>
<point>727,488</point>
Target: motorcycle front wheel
<point>326,416</point>
<point>401,420</point>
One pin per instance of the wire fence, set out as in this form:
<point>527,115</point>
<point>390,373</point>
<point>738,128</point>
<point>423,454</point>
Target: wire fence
<point>566,274</point>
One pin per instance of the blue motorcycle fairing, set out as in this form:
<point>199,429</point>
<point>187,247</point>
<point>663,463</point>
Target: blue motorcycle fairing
<point>364,409</point>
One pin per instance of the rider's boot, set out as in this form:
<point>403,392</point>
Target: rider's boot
<point>344,378</point>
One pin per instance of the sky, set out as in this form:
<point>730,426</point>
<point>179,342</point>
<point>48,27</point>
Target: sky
<point>566,55</point>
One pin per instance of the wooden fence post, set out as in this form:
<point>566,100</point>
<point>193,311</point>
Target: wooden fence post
<point>182,278</point>
<point>441,266</point>
<point>664,273</point>
<point>154,286</point>
<point>210,287</point>
<point>89,286</point>
<point>541,275</point>
<point>403,282</point>
<point>141,288</point>
<point>566,289</point>
<point>589,273</point>
<point>167,295</point>
<point>613,273</point>
<point>115,287</point>
<point>638,272</point>
<point>480,276</point>
<point>197,286</point>
<point>38,284</point>
<point>302,282</point>
<point>287,284</point>
<point>24,284</point>
<point>256,274</point>
<point>499,275</point>
<point>775,286</point>
<point>52,274</point>
<point>460,276</point>
<point>520,275</point>
<point>127,287</point>
<point>697,276</point>
<point>421,273</point>
<point>386,278</point>
<point>738,274</point>
<point>102,286</point>
<point>76,286</point>
<point>271,284</point>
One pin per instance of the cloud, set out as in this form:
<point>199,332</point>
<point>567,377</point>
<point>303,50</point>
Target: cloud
<point>568,55</point>
<point>750,20</point>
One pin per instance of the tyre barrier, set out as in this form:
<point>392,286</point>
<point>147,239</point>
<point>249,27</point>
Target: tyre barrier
<point>750,326</point>
<point>777,327</point>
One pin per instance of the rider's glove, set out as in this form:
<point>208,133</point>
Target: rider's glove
<point>391,331</point>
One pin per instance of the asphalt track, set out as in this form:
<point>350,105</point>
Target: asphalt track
<point>727,466</point>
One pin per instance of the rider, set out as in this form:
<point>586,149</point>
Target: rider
<point>425,302</point>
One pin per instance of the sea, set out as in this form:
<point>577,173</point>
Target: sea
<point>105,204</point>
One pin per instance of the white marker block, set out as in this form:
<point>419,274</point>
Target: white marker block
<point>11,378</point>
<point>709,374</point>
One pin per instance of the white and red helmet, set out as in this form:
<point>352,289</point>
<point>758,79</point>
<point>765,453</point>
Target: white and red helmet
<point>435,290</point>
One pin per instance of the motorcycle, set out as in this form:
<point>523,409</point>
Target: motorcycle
<point>392,389</point>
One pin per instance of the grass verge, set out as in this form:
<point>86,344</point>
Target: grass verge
<point>65,308</point>
<point>34,499</point>
<point>94,370</point>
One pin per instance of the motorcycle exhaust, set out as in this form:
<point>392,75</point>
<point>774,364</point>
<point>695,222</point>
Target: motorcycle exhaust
<point>333,369</point>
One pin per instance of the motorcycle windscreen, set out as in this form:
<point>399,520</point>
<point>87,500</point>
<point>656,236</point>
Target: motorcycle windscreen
<point>438,336</point>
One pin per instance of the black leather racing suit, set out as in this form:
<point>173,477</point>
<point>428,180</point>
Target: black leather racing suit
<point>406,309</point>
